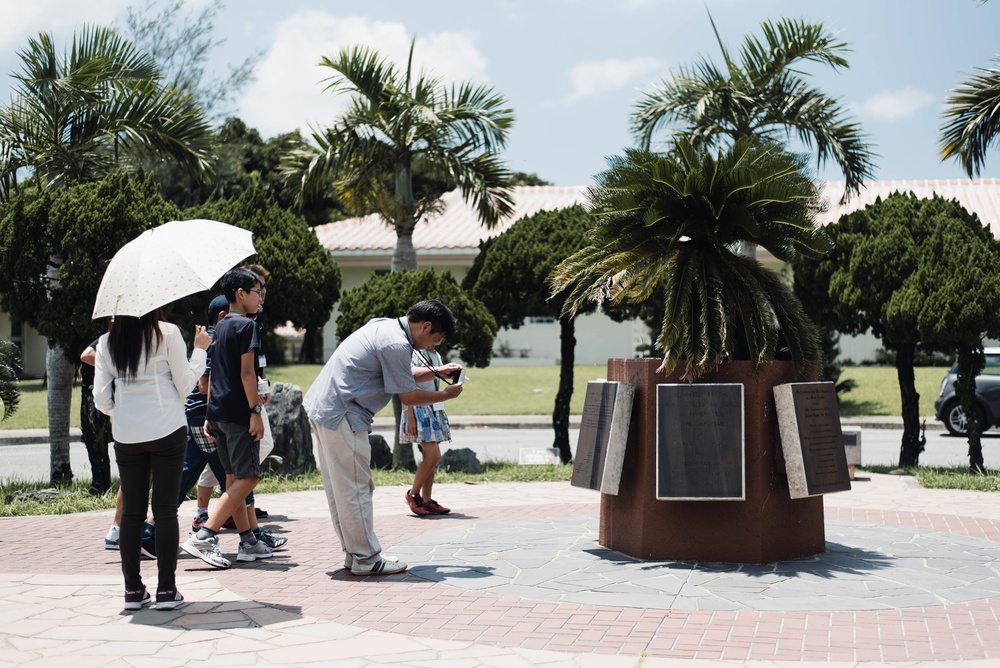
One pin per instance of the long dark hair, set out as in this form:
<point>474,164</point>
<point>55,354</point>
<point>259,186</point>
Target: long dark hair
<point>129,337</point>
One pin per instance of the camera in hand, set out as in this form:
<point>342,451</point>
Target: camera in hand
<point>455,375</point>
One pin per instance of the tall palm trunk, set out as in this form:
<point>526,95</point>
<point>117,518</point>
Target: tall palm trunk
<point>912,445</point>
<point>403,220</point>
<point>560,414</point>
<point>403,257</point>
<point>60,372</point>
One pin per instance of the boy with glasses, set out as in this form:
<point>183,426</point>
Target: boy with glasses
<point>233,420</point>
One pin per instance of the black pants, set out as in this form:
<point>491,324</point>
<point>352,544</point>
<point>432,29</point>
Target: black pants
<point>158,462</point>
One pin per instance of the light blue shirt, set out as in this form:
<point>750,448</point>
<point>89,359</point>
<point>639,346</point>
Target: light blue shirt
<point>359,379</point>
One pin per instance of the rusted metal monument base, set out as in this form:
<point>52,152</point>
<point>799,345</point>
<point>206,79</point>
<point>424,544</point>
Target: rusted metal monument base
<point>768,526</point>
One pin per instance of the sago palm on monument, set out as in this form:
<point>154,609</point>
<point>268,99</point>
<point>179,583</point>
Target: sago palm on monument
<point>677,222</point>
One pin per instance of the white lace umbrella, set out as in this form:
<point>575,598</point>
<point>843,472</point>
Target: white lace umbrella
<point>168,262</point>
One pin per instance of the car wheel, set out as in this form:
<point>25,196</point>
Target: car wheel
<point>957,423</point>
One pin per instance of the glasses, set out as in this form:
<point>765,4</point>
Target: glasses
<point>258,292</point>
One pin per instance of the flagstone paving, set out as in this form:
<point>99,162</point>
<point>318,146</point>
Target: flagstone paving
<point>515,577</point>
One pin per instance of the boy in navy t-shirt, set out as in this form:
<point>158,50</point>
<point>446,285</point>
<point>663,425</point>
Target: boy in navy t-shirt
<point>233,420</point>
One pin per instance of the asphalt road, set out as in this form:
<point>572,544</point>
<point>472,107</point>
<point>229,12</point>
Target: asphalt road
<point>878,446</point>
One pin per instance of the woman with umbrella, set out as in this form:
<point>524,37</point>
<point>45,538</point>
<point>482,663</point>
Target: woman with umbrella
<point>141,375</point>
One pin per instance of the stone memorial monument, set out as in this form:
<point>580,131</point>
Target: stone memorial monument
<point>811,439</point>
<point>767,526</point>
<point>604,425</point>
<point>699,442</point>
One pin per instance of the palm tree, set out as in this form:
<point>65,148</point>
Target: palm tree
<point>677,221</point>
<point>73,118</point>
<point>397,124</point>
<point>972,119</point>
<point>762,95</point>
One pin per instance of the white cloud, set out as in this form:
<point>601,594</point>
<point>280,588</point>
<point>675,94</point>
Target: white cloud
<point>287,92</point>
<point>593,77</point>
<point>24,19</point>
<point>893,105</point>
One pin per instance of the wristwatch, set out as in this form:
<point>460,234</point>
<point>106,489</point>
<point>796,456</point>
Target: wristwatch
<point>256,409</point>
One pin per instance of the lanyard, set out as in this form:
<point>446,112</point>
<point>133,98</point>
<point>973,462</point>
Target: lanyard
<point>424,360</point>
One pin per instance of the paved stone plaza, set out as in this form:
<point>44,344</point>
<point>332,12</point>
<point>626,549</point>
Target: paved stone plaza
<point>515,577</point>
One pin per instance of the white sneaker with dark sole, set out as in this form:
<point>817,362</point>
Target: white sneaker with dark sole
<point>206,549</point>
<point>250,552</point>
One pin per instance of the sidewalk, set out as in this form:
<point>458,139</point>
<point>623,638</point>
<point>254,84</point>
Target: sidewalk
<point>515,577</point>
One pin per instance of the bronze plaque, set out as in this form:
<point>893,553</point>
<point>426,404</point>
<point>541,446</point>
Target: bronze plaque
<point>699,442</point>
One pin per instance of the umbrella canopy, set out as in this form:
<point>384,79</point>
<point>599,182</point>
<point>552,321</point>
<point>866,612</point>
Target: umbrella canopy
<point>168,262</point>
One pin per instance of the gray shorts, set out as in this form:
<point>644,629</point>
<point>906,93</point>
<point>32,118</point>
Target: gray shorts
<point>238,451</point>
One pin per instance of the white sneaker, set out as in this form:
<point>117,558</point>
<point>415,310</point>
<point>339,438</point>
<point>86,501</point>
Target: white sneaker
<point>206,549</point>
<point>384,566</point>
<point>250,552</point>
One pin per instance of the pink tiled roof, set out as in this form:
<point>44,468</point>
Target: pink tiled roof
<point>457,228</point>
<point>979,196</point>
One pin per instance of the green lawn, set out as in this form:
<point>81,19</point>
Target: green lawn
<point>531,390</point>
<point>877,392</point>
<point>32,411</point>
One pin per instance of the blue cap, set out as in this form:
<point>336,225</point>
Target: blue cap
<point>217,306</point>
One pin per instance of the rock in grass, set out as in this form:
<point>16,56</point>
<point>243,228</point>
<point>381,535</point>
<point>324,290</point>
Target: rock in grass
<point>462,459</point>
<point>50,495</point>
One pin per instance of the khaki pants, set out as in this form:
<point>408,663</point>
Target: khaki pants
<point>344,460</point>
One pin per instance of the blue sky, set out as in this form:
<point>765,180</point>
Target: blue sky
<point>572,69</point>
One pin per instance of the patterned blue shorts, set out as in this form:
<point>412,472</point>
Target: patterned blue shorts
<point>432,426</point>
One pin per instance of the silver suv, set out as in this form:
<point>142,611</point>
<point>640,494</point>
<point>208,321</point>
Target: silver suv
<point>948,410</point>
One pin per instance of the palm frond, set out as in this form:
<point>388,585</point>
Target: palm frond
<point>788,41</point>
<point>482,180</point>
<point>101,105</point>
<point>363,71</point>
<point>972,120</point>
<point>760,96</point>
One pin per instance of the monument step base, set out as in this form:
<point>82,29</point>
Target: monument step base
<point>716,531</point>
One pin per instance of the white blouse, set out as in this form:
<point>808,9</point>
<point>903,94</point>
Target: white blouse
<point>151,405</point>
